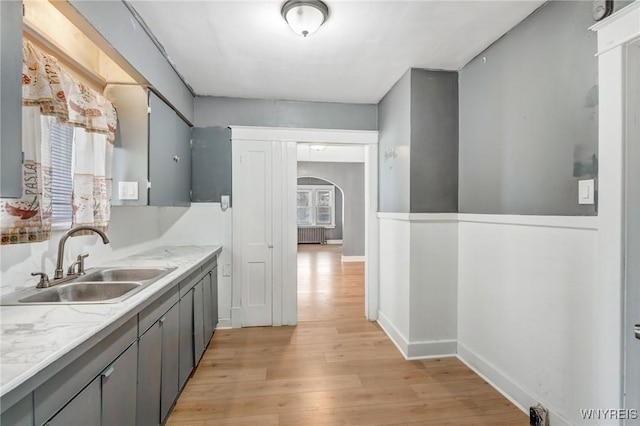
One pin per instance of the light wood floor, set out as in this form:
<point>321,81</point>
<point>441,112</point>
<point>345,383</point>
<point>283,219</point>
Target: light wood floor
<point>334,368</point>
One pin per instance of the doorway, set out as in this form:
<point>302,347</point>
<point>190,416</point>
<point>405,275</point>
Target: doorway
<point>282,143</point>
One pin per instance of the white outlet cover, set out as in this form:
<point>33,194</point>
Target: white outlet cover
<point>586,189</point>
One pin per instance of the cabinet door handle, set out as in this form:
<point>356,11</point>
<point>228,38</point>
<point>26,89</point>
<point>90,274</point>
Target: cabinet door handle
<point>161,320</point>
<point>636,331</point>
<point>108,372</point>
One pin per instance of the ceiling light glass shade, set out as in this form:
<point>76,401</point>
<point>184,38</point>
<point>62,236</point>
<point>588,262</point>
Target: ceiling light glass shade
<point>305,16</point>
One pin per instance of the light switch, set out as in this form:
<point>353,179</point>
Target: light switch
<point>586,191</point>
<point>128,190</point>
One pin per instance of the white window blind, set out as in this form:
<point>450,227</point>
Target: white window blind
<point>62,179</point>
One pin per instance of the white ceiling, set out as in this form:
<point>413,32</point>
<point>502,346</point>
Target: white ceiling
<point>245,49</point>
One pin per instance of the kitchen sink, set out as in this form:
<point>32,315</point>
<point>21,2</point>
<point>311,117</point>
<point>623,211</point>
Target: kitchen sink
<point>125,274</point>
<point>99,285</point>
<point>82,292</point>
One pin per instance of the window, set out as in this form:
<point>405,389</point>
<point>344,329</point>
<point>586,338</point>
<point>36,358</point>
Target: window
<point>316,205</point>
<point>62,175</point>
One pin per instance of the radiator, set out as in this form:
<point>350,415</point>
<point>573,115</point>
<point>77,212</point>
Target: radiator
<point>311,235</point>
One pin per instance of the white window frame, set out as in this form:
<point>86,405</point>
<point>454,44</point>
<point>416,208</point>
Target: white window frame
<point>314,189</point>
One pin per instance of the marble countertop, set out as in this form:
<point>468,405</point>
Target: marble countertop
<point>33,337</point>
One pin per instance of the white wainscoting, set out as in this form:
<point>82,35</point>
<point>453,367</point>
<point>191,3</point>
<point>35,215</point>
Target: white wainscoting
<point>418,282</point>
<point>527,307</point>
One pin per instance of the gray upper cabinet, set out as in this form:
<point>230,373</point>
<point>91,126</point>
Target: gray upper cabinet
<point>153,148</point>
<point>10,99</point>
<point>169,156</point>
<point>211,163</point>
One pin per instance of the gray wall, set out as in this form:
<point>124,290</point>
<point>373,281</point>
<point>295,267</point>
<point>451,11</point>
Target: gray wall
<point>434,141</point>
<point>528,116</point>
<point>349,177</point>
<point>123,34</point>
<point>418,137</point>
<point>394,138</point>
<point>330,233</point>
<point>210,163</point>
<point>218,111</point>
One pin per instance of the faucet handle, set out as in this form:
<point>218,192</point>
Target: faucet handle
<point>77,267</point>
<point>44,279</point>
<point>80,260</point>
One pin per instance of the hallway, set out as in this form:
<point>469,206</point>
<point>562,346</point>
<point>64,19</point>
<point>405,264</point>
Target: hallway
<point>334,368</point>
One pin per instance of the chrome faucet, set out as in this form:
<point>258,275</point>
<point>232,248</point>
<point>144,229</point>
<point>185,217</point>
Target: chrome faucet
<point>59,274</point>
<point>77,268</point>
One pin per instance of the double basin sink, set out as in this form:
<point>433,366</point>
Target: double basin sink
<point>99,285</point>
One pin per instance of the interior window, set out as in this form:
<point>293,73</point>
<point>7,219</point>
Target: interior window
<point>316,205</point>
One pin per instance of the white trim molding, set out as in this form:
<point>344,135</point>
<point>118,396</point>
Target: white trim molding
<point>291,134</point>
<point>570,222</point>
<point>620,29</point>
<point>285,310</point>
<point>616,35</point>
<point>420,217</point>
<point>353,258</point>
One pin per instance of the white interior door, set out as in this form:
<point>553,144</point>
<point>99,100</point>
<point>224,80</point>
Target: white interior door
<point>255,202</point>
<point>632,321</point>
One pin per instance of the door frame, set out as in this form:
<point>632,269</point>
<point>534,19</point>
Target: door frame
<point>615,35</point>
<point>285,283</point>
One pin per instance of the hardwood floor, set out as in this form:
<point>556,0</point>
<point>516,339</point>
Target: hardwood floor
<point>334,368</point>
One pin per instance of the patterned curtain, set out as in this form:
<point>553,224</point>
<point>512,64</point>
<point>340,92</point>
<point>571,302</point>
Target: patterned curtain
<point>48,91</point>
<point>92,179</point>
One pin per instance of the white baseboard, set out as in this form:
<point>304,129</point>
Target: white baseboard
<point>432,349</point>
<point>392,332</point>
<point>353,258</point>
<point>416,350</point>
<point>334,241</point>
<point>224,323</point>
<point>510,390</point>
<point>236,317</point>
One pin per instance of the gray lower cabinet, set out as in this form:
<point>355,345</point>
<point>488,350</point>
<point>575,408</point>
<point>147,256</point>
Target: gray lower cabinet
<point>109,400</point>
<point>186,337</point>
<point>207,301</point>
<point>210,302</point>
<point>119,390</point>
<point>158,369</point>
<point>199,303</point>
<point>134,374</point>
<point>170,360</point>
<point>19,414</point>
<point>82,410</point>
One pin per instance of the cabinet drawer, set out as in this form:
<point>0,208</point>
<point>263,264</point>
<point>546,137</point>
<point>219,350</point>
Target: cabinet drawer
<point>61,388</point>
<point>155,310</point>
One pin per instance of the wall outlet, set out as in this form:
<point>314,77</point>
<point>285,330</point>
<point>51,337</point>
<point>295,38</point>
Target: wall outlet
<point>538,416</point>
<point>226,270</point>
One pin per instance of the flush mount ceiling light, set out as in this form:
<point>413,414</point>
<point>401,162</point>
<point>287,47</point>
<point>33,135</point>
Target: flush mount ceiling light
<point>305,16</point>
